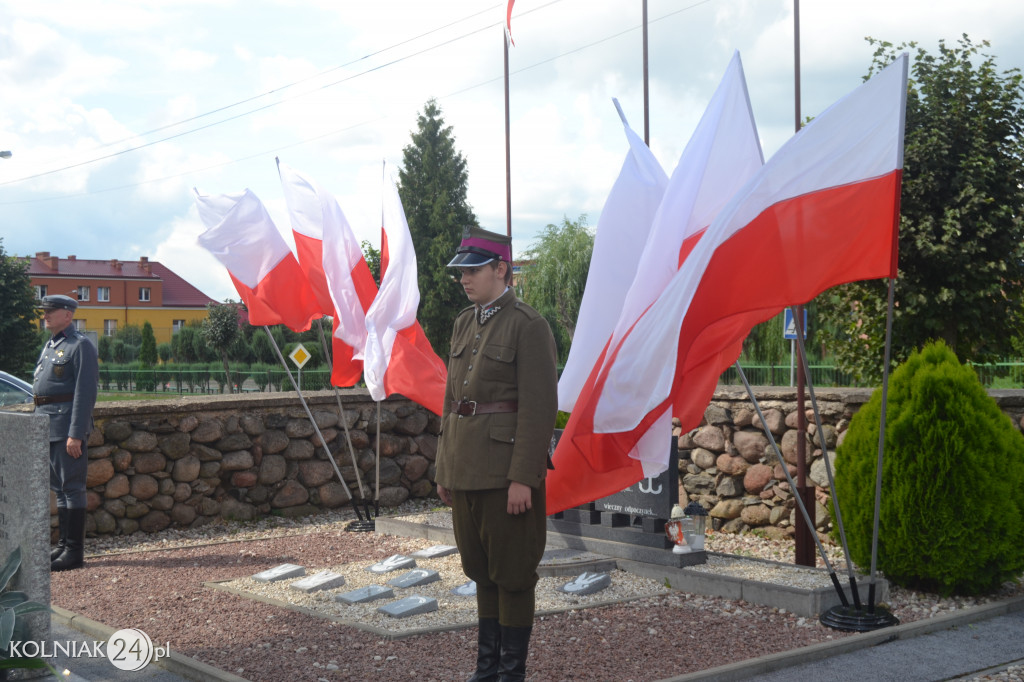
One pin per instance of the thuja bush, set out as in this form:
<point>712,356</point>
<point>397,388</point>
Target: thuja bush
<point>952,517</point>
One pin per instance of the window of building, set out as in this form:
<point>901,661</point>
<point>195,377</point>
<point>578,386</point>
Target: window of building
<point>79,325</point>
<point>83,293</point>
<point>103,294</point>
<point>143,293</point>
<point>40,290</point>
<point>109,326</point>
<point>177,326</point>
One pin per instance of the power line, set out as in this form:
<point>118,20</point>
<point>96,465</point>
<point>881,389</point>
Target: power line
<point>334,132</point>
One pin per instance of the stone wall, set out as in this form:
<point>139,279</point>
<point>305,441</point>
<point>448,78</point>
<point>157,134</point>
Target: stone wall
<point>729,466</point>
<point>183,463</point>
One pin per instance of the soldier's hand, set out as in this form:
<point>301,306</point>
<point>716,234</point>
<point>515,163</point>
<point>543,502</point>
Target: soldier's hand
<point>444,494</point>
<point>74,447</point>
<point>520,497</point>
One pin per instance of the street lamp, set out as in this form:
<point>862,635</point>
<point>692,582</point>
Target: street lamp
<point>5,155</point>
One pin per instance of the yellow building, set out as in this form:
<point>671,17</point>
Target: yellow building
<point>112,294</point>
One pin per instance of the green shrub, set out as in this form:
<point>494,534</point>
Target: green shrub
<point>951,517</point>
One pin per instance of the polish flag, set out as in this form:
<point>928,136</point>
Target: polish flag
<point>622,231</point>
<point>398,357</point>
<point>723,153</point>
<point>242,236</point>
<point>508,21</point>
<point>335,266</point>
<point>823,211</point>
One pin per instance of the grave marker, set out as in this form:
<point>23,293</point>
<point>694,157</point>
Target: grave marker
<point>282,572</point>
<point>365,594</point>
<point>392,563</point>
<point>410,606</point>
<point>587,583</point>
<point>415,578</point>
<point>324,580</point>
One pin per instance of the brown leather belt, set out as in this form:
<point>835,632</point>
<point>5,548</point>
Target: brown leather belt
<point>47,399</point>
<point>467,408</point>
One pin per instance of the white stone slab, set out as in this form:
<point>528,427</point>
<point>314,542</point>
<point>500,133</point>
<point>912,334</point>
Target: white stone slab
<point>392,563</point>
<point>365,594</point>
<point>281,572</point>
<point>410,606</point>
<point>465,590</point>
<point>415,578</point>
<point>324,580</point>
<point>435,552</point>
<point>587,583</point>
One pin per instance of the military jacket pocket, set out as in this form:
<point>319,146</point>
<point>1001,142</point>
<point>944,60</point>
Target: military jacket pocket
<point>499,364</point>
<point>457,351</point>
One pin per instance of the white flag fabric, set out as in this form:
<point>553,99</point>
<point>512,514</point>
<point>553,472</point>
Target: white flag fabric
<point>622,231</point>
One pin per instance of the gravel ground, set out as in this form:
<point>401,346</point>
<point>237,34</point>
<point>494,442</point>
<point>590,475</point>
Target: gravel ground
<point>156,584</point>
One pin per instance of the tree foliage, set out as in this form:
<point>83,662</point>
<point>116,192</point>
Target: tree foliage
<point>147,350</point>
<point>18,316</point>
<point>961,242</point>
<point>555,275</point>
<point>951,517</point>
<point>219,330</point>
<point>432,185</point>
<point>372,257</point>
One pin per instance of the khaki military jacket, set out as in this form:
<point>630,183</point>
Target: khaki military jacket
<point>510,356</point>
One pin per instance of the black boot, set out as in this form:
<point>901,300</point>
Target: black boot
<point>488,651</point>
<point>62,522</point>
<point>75,548</point>
<point>515,644</point>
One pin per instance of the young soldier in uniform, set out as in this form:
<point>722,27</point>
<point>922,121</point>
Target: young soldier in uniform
<point>65,387</point>
<point>499,415</point>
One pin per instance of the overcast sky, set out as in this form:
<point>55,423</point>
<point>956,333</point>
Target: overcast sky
<point>114,109</point>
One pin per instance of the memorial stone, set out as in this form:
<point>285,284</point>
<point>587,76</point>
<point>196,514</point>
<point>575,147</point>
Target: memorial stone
<point>435,552</point>
<point>25,513</point>
<point>365,594</point>
<point>410,606</point>
<point>324,580</point>
<point>465,590</point>
<point>415,578</point>
<point>587,583</point>
<point>392,563</point>
<point>282,572</point>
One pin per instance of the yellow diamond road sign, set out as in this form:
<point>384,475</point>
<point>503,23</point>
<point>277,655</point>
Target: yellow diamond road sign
<point>300,356</point>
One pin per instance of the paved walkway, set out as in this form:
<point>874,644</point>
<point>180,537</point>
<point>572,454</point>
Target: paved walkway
<point>956,646</point>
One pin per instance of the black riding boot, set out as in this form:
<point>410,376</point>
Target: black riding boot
<point>62,522</point>
<point>75,548</point>
<point>488,651</point>
<point>515,644</point>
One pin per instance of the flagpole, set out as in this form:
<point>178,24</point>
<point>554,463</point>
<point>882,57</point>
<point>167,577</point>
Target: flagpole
<point>820,432</point>
<point>881,443</point>
<point>508,144</point>
<point>789,477</point>
<point>341,410</point>
<point>316,428</point>
<point>647,92</point>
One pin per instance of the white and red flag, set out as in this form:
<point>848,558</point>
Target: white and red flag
<point>333,261</point>
<point>622,231</point>
<point>508,21</point>
<point>242,236</point>
<point>398,356</point>
<point>823,211</point>
<point>722,154</point>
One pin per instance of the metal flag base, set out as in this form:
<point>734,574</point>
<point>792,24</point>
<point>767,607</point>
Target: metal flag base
<point>367,524</point>
<point>858,619</point>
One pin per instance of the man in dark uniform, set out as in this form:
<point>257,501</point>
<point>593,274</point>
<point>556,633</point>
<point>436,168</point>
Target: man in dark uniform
<point>65,386</point>
<point>499,415</point>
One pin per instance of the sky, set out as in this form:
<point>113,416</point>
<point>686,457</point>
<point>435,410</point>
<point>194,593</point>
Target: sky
<point>113,110</point>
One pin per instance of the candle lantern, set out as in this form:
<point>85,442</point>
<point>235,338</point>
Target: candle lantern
<point>698,517</point>
<point>679,530</point>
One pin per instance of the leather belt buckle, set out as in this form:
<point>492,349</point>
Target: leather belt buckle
<point>464,407</point>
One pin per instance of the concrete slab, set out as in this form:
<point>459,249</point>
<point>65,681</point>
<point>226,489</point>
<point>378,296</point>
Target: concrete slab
<point>324,580</point>
<point>415,578</point>
<point>410,606</point>
<point>465,589</point>
<point>394,562</point>
<point>587,583</point>
<point>435,552</point>
<point>365,594</point>
<point>282,572</point>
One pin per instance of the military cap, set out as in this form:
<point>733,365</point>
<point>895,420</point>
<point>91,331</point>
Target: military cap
<point>480,247</point>
<point>58,302</point>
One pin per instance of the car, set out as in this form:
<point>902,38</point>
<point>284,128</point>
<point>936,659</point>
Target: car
<point>14,391</point>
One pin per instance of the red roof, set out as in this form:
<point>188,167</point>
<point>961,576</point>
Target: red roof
<point>177,293</point>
